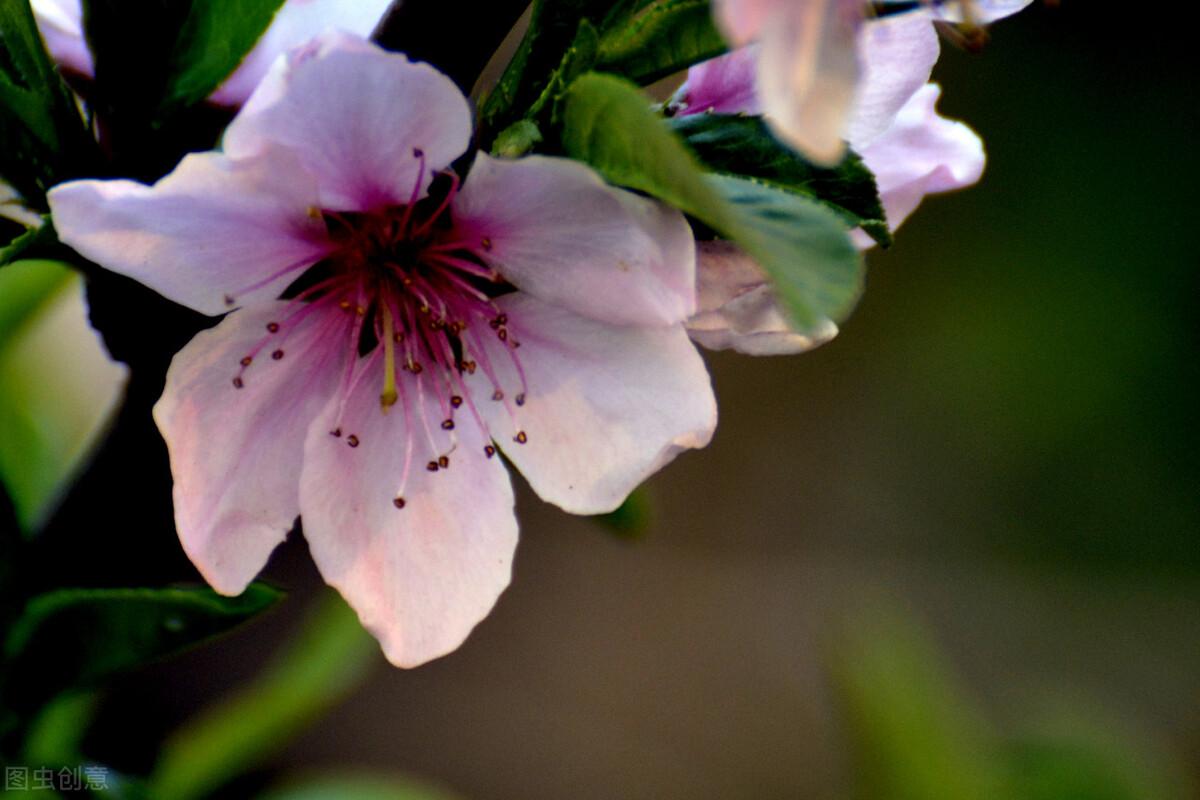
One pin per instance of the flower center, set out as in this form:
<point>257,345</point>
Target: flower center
<point>420,296</point>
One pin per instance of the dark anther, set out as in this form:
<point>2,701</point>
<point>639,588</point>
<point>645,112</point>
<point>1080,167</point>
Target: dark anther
<point>399,502</point>
<point>497,395</point>
<point>456,401</point>
<point>503,334</point>
<point>489,451</point>
<point>229,300</point>
<point>432,466</point>
<point>336,432</point>
<point>415,367</point>
<point>273,327</point>
<point>246,361</point>
<point>238,383</point>
<point>418,152</point>
<point>443,461</point>
<point>352,440</point>
<point>278,354</point>
<point>448,425</point>
<point>486,244</point>
<point>520,399</point>
<point>521,438</point>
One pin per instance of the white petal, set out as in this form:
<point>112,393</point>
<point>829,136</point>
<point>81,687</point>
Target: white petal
<point>213,230</point>
<point>897,54</point>
<point>605,406</point>
<point>236,453</point>
<point>556,230</point>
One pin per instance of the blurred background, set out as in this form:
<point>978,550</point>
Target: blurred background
<point>952,554</point>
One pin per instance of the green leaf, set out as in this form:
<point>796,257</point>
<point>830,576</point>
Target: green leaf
<point>31,241</point>
<point>517,139</point>
<point>646,40</point>
<point>357,787</point>
<point>45,139</point>
<point>733,144</point>
<point>78,637</point>
<point>632,519</point>
<point>555,28</point>
<point>58,388</point>
<point>801,245</point>
<point>330,657</point>
<point>915,733</point>
<point>56,735</point>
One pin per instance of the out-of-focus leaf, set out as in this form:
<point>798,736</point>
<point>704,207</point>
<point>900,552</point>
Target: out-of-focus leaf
<point>803,247</point>
<point>632,518</point>
<point>330,657</point>
<point>357,787</point>
<point>915,734</point>
<point>58,730</point>
<point>645,40</point>
<point>29,242</point>
<point>738,145</point>
<point>58,387</point>
<point>517,139</point>
<point>1074,756</point>
<point>77,637</point>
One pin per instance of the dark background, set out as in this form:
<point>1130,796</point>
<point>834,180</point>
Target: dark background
<point>1000,450</point>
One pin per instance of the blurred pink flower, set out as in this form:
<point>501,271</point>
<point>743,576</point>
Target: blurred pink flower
<point>532,310</point>
<point>61,23</point>
<point>894,126</point>
<point>823,72</point>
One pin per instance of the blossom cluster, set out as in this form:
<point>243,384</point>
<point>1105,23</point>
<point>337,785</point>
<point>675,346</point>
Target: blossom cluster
<point>402,315</point>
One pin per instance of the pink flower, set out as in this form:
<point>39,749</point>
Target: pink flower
<point>394,330</point>
<point>61,23</point>
<point>895,127</point>
<point>824,72</point>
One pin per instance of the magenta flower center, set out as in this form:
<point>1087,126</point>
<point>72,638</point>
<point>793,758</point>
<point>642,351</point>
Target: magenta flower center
<point>416,292</point>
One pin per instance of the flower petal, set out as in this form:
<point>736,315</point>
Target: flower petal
<point>421,576</point>
<point>211,231</point>
<point>357,117</point>
<point>897,54</point>
<point>922,153</point>
<point>981,11</point>
<point>722,85</point>
<point>556,230</point>
<point>739,310</point>
<point>743,20</point>
<point>61,25</point>
<point>236,453</point>
<point>295,23</point>
<point>604,406</point>
<point>808,72</point>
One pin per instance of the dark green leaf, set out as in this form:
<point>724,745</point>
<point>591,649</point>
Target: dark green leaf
<point>331,656</point>
<point>45,140</point>
<point>646,40</point>
<point>77,637</point>
<point>176,55</point>
<point>29,243</point>
<point>803,247</point>
<point>554,29</point>
<point>739,145</point>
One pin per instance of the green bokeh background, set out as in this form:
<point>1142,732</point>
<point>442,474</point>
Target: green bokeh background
<point>953,554</point>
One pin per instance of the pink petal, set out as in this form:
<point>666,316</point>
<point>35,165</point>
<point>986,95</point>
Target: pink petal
<point>897,54</point>
<point>357,117</point>
<point>808,71</point>
<point>982,11</point>
<point>739,310</point>
<point>604,406</point>
<point>922,153</point>
<point>557,231</point>
<point>743,20</point>
<point>723,85</point>
<point>236,453</point>
<point>297,22</point>
<point>213,229</point>
<point>422,576</point>
<point>61,25</point>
